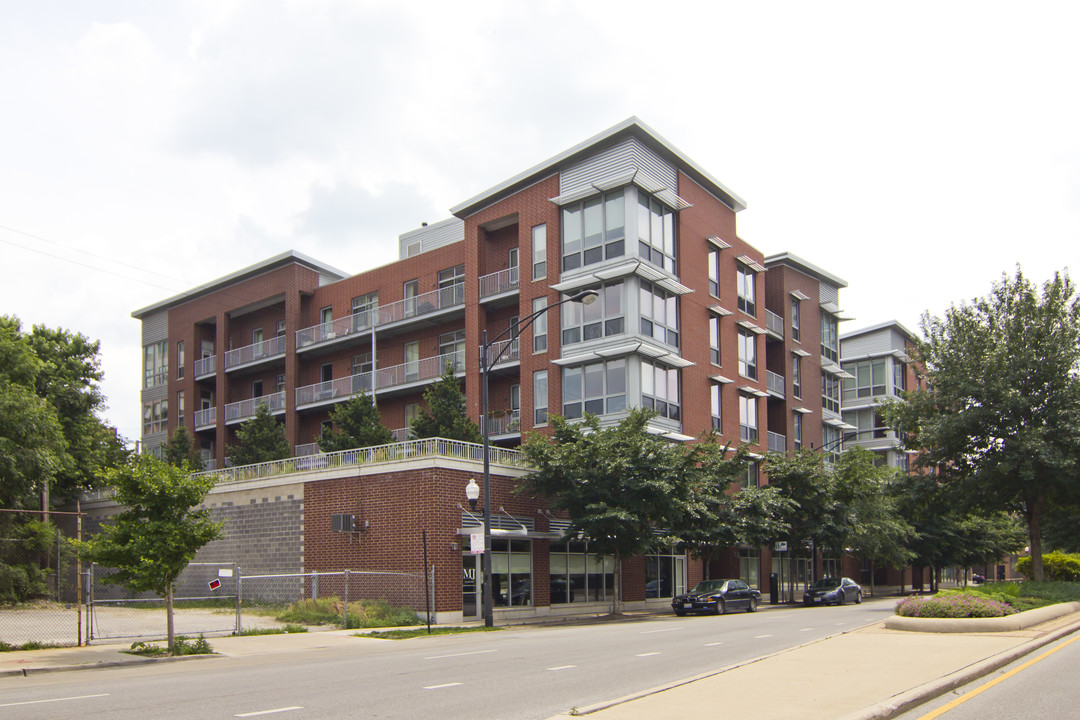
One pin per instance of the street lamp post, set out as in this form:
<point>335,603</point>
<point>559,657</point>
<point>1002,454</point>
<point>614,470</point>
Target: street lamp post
<point>585,297</point>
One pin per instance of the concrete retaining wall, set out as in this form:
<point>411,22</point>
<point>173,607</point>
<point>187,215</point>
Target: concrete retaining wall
<point>1019,621</point>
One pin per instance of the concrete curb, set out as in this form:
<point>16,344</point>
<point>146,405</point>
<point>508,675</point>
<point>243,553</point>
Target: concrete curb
<point>905,701</point>
<point>1008,623</point>
<point>28,671</point>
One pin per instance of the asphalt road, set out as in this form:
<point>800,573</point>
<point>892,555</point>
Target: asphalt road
<point>1040,685</point>
<point>517,674</point>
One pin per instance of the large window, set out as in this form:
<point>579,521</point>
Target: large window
<point>796,321</point>
<point>540,397</point>
<point>714,339</point>
<point>155,417</point>
<point>868,380</point>
<point>744,282</point>
<point>899,383</point>
<point>156,363</point>
<point>868,425</point>
<point>830,392</point>
<point>580,576</point>
<point>596,388</point>
<point>539,252</point>
<point>750,476</point>
<point>539,326</point>
<point>511,572</point>
<point>830,337</point>
<point>748,354</point>
<point>659,314</point>
<point>796,376</point>
<point>656,232</point>
<point>453,343</point>
<point>593,230</point>
<point>796,430</point>
<point>715,397</point>
<point>452,286</point>
<point>602,318</point>
<point>749,566</point>
<point>665,575</point>
<point>180,360</point>
<point>714,273</point>
<point>660,390</point>
<point>364,308</point>
<point>748,418</point>
<point>180,408</point>
<point>831,442</point>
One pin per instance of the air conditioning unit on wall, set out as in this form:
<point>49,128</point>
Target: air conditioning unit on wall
<point>343,523</point>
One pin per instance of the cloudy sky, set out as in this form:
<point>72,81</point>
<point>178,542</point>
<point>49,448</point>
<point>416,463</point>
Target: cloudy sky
<point>917,150</point>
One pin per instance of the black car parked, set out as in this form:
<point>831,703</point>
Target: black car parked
<point>833,590</point>
<point>717,597</point>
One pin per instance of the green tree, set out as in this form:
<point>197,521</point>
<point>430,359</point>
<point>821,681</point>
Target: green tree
<point>616,484</point>
<point>180,449</point>
<point>445,415</point>
<point>356,423</point>
<point>260,439</point>
<point>985,539</point>
<point>1001,413</point>
<point>158,533</point>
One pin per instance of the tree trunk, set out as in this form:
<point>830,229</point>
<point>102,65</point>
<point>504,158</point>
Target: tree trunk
<point>1033,509</point>
<point>872,573</point>
<point>616,599</point>
<point>169,616</point>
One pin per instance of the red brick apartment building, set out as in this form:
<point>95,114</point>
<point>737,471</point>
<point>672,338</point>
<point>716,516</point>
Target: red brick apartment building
<point>690,321</point>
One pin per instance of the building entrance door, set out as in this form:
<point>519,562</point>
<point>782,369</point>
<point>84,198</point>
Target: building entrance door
<point>470,585</point>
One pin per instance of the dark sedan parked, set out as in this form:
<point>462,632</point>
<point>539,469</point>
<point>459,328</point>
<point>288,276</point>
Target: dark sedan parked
<point>833,590</point>
<point>717,597</point>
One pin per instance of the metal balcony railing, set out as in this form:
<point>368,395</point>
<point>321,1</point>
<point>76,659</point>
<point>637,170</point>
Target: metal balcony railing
<point>246,408</point>
<point>205,418</point>
<point>324,332</point>
<point>774,382</point>
<point>306,449</point>
<point>498,282</point>
<point>205,367</point>
<point>425,304</point>
<point>340,389</point>
<point>512,353</point>
<point>774,323</point>
<point>503,423</point>
<point>402,434</point>
<point>386,378</point>
<point>777,442</point>
<point>262,350</point>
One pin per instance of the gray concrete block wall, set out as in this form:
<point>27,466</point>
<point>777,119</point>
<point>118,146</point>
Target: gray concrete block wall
<point>263,529</point>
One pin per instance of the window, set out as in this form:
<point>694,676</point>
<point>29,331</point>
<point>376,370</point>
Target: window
<point>180,360</point>
<point>364,308</point>
<point>156,363</point>
<point>452,286</point>
<point>748,354</point>
<point>665,574</point>
<point>539,326</point>
<point>539,252</point>
<point>831,443</point>
<point>744,283</point>
<point>409,291</point>
<point>714,273</point>
<point>830,392</point>
<point>180,408</point>
<point>748,418</point>
<point>412,411</point>
<point>795,307</point>
<point>452,344</point>
<point>717,408</point>
<point>796,376</point>
<point>660,390</point>
<point>868,425</point>
<point>830,337</point>
<point>256,336</point>
<point>326,319</point>
<point>796,430</point>
<point>750,477</point>
<point>899,383</point>
<point>593,230</point>
<point>540,397</point>
<point>257,389</point>
<point>749,566</point>
<point>656,232</point>
<point>326,372</point>
<point>412,361</point>
<point>868,380</point>
<point>602,318</point>
<point>279,329</point>
<point>361,363</point>
<point>659,314</point>
<point>279,385</point>
<point>596,388</point>
<point>155,417</point>
<point>714,339</point>
<point>578,575</point>
<point>511,572</point>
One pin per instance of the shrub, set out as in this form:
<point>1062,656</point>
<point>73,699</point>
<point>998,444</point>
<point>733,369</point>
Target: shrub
<point>362,613</point>
<point>956,605</point>
<point>181,646</point>
<point>1057,566</point>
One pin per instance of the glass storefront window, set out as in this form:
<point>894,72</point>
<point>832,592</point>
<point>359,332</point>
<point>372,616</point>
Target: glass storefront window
<point>665,575</point>
<point>511,572</point>
<point>580,576</point>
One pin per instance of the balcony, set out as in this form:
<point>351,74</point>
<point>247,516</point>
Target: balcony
<point>421,305</point>
<point>774,325</point>
<point>774,383</point>
<point>306,449</point>
<point>777,442</point>
<point>510,354</point>
<point>245,409</point>
<point>498,283</point>
<point>262,351</point>
<point>402,434</point>
<point>386,378</point>
<point>337,329</point>
<point>506,422</point>
<point>333,390</point>
<point>205,419</point>
<point>205,367</point>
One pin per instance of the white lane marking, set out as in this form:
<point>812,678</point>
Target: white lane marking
<point>841,623</point>
<point>713,643</point>
<point>806,629</point>
<point>36,702</point>
<point>648,654</point>
<point>270,712</point>
<point>650,632</point>
<point>759,637</point>
<point>562,667</point>
<point>476,652</point>
<point>444,685</point>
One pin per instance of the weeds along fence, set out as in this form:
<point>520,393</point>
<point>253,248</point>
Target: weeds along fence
<point>262,593</point>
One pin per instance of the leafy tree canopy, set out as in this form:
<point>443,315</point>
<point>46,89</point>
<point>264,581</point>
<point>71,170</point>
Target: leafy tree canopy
<point>356,423</point>
<point>181,449</point>
<point>445,415</point>
<point>260,439</point>
<point>1001,413</point>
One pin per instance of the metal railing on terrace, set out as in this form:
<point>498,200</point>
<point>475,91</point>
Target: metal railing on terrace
<point>499,282</point>
<point>774,382</point>
<point>774,323</point>
<point>503,423</point>
<point>386,378</point>
<point>306,449</point>
<point>408,450</point>
<point>205,367</point>
<point>324,332</point>
<point>205,418</point>
<point>262,350</point>
<point>246,408</point>
<point>777,442</point>
<point>512,353</point>
<point>340,389</point>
